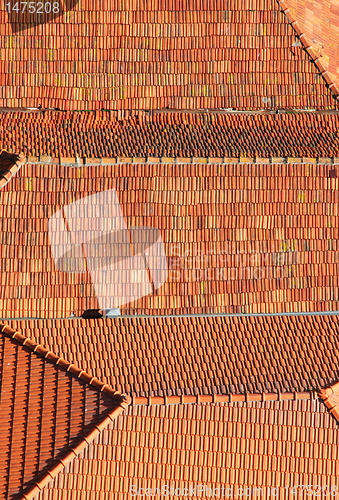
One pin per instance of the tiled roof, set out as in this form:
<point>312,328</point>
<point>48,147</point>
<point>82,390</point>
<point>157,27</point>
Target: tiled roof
<point>330,397</point>
<point>131,134</point>
<point>239,238</point>
<point>198,355</point>
<point>225,398</point>
<point>110,55</point>
<point>317,24</point>
<point>50,411</point>
<point>261,445</point>
<point>9,165</point>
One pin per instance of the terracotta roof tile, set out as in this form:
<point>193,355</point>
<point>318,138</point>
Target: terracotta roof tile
<point>230,445</point>
<point>168,57</point>
<point>182,135</point>
<point>318,23</point>
<point>238,238</point>
<point>9,165</point>
<point>48,414</point>
<point>198,355</point>
<point>330,397</point>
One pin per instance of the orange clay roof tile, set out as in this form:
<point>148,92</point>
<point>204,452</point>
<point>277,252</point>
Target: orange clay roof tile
<point>9,165</point>
<point>278,355</point>
<point>48,414</point>
<point>329,395</point>
<point>319,23</point>
<point>238,238</point>
<point>169,135</point>
<point>157,57</point>
<point>214,445</point>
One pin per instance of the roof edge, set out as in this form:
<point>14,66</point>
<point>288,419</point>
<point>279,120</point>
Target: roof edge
<point>309,49</point>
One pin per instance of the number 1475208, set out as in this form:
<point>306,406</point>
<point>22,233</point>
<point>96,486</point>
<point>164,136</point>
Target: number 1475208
<point>33,7</point>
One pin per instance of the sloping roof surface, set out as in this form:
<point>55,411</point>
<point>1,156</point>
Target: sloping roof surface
<point>238,446</point>
<point>198,355</point>
<point>103,135</point>
<point>45,413</point>
<point>319,23</point>
<point>239,238</point>
<point>154,55</point>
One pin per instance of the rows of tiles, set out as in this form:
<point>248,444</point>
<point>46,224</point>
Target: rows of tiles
<point>197,355</point>
<point>320,22</point>
<point>71,61</point>
<point>263,445</point>
<point>43,412</point>
<point>102,135</point>
<point>238,238</point>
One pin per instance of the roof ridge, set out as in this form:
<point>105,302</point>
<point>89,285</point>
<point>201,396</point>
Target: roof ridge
<point>148,160</point>
<point>315,59</point>
<point>122,401</point>
<point>225,398</point>
<point>65,365</point>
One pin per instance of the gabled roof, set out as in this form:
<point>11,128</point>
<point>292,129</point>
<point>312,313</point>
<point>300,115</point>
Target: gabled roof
<point>108,135</point>
<point>239,237</point>
<point>238,445</point>
<point>199,355</point>
<point>50,411</point>
<point>153,56</point>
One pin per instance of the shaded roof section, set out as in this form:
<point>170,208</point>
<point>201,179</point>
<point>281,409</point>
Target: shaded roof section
<point>199,355</point>
<point>7,160</point>
<point>50,411</point>
<point>110,55</point>
<point>232,445</point>
<point>318,22</point>
<point>238,237</point>
<point>131,134</point>
<point>9,165</point>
